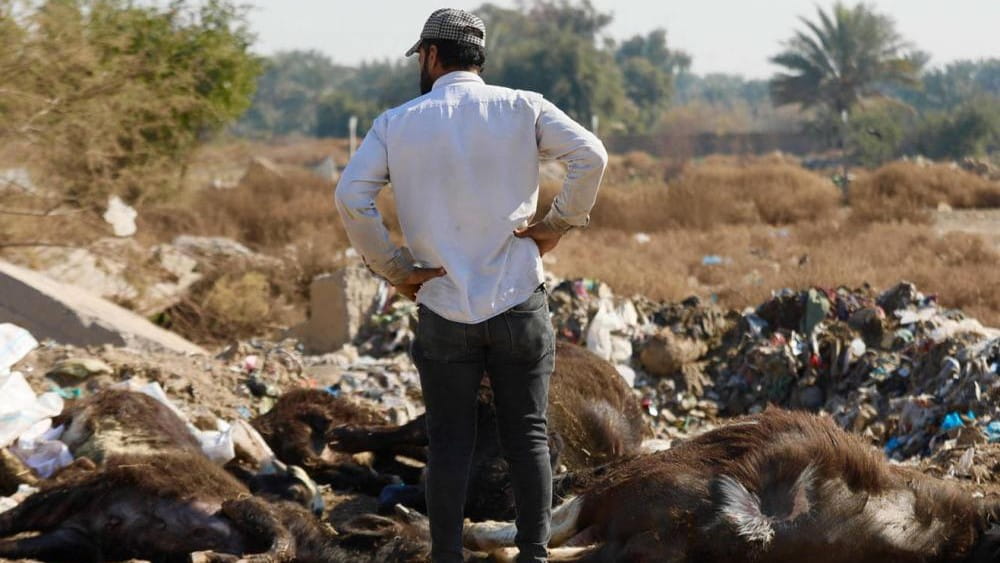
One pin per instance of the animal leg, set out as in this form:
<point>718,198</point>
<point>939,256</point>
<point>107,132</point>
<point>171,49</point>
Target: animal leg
<point>254,517</point>
<point>61,545</point>
<point>351,477</point>
<point>356,439</point>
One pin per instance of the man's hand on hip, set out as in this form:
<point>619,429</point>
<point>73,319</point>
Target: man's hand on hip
<point>419,276</point>
<point>544,236</point>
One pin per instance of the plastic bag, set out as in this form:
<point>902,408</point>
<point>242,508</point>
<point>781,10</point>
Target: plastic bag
<point>15,343</point>
<point>20,409</point>
<point>606,321</point>
<point>40,449</point>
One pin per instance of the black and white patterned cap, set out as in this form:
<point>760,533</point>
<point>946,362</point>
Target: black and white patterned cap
<point>457,25</point>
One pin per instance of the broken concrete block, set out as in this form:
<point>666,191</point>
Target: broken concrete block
<point>340,303</point>
<point>70,315</point>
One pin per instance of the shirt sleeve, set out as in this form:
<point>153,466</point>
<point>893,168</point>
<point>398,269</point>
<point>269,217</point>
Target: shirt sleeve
<point>562,139</point>
<point>360,183</point>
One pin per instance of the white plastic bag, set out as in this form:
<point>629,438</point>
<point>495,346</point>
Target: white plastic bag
<point>606,321</point>
<point>15,343</point>
<point>40,449</point>
<point>20,409</point>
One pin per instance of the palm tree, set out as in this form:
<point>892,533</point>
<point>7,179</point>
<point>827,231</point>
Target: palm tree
<point>841,59</point>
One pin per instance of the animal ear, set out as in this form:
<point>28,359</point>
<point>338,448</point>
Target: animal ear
<point>801,493</point>
<point>741,509</point>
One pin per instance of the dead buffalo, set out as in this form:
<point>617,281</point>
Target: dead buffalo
<point>159,507</point>
<point>116,422</point>
<point>779,486</point>
<point>594,418</point>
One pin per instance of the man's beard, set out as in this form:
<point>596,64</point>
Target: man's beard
<point>426,82</point>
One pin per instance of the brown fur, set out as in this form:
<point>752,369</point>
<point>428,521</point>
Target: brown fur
<point>670,506</point>
<point>163,507</point>
<point>300,427</point>
<point>593,409</point>
<point>124,422</point>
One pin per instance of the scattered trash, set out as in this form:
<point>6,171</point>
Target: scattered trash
<point>121,216</point>
<point>40,449</point>
<point>21,409</point>
<point>712,260</point>
<point>15,343</point>
<point>951,420</point>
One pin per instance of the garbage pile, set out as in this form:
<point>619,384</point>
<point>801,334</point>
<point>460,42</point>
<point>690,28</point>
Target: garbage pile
<point>895,366</point>
<point>912,376</point>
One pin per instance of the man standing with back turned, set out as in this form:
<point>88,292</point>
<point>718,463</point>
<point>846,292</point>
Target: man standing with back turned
<point>463,162</point>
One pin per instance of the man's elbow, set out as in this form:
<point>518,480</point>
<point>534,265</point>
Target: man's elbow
<point>344,198</point>
<point>599,155</point>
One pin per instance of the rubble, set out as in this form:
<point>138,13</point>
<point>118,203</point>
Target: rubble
<point>340,303</point>
<point>49,309</point>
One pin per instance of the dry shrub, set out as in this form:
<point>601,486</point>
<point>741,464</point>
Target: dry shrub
<point>780,193</point>
<point>239,302</point>
<point>708,196</point>
<point>268,211</point>
<point>905,191</point>
<point>236,298</point>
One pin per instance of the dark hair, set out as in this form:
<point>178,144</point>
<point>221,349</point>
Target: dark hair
<point>455,55</point>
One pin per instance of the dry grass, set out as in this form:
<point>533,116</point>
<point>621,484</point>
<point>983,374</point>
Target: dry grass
<point>961,268</point>
<point>905,191</point>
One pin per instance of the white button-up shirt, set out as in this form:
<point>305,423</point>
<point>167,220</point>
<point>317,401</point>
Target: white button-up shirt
<point>463,162</point>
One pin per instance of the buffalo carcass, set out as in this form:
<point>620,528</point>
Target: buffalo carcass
<point>593,415</point>
<point>775,487</point>
<point>116,422</point>
<point>300,426</point>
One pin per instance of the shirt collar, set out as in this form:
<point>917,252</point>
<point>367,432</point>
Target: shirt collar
<point>457,77</point>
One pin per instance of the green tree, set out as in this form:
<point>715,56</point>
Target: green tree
<point>552,47</point>
<point>842,58</point>
<point>336,108</point>
<point>649,69</point>
<point>972,130</point>
<point>289,92</point>
<point>114,96</point>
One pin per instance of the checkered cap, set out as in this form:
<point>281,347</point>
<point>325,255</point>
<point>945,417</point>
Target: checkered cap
<point>457,25</point>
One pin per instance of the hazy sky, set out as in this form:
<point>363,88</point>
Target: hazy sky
<point>735,36</point>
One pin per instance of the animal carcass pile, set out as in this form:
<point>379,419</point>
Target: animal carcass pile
<point>665,436</point>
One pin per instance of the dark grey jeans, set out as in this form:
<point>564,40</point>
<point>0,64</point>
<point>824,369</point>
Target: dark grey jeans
<point>517,350</point>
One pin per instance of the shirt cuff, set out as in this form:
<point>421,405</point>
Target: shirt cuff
<point>399,267</point>
<point>554,222</point>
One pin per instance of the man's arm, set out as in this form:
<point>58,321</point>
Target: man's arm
<point>362,180</point>
<point>585,157</point>
<point>562,139</point>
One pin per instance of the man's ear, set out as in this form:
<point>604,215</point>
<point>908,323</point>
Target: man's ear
<point>432,56</point>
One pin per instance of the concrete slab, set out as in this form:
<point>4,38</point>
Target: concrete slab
<point>71,315</point>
